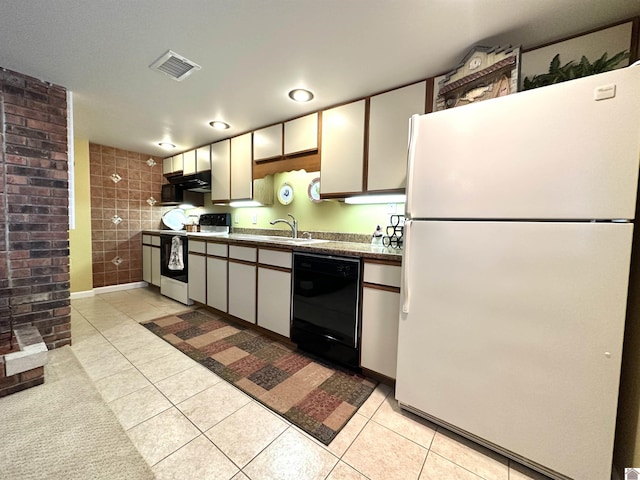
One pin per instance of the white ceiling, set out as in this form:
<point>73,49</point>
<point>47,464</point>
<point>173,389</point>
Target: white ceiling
<point>252,52</point>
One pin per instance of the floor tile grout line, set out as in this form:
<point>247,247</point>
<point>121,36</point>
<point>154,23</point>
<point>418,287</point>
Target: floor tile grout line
<point>96,330</point>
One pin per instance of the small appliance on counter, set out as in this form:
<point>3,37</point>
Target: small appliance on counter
<point>219,223</point>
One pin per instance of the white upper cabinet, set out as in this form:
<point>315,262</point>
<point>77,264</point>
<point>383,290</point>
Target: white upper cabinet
<point>388,135</point>
<point>301,134</point>
<point>221,171</point>
<point>203,159</point>
<point>189,162</point>
<point>342,153</point>
<point>172,164</point>
<point>241,167</point>
<point>267,143</point>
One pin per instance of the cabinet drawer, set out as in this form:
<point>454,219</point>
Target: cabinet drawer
<point>197,246</point>
<point>155,241</point>
<point>274,257</point>
<point>248,254</point>
<point>217,249</point>
<point>389,275</point>
<point>146,239</point>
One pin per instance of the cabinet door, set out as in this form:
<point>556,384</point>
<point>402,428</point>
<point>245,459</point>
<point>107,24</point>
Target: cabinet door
<point>189,162</point>
<point>242,291</point>
<point>155,266</point>
<point>342,158</point>
<point>267,143</point>
<point>241,181</point>
<point>274,300</point>
<point>197,278</point>
<point>389,134</point>
<point>146,263</point>
<point>221,171</point>
<point>167,165</point>
<point>203,159</point>
<point>217,283</point>
<point>301,134</point>
<point>380,314</point>
<point>178,162</point>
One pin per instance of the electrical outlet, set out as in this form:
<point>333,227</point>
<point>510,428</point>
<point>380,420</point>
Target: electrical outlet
<point>254,218</point>
<point>236,218</point>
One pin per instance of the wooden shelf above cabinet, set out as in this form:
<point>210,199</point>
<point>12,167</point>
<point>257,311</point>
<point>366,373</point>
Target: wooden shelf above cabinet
<point>305,161</point>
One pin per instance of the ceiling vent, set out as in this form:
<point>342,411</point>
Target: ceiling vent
<point>175,66</point>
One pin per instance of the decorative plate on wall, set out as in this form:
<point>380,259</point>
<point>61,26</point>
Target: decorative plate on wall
<point>175,219</point>
<point>314,190</point>
<point>285,194</point>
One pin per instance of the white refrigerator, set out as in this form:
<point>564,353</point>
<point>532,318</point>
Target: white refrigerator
<point>518,235</point>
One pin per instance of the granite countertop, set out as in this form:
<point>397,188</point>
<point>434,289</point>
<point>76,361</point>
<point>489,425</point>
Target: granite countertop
<point>328,247</point>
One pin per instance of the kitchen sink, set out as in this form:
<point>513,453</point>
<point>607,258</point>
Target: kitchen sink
<point>275,239</point>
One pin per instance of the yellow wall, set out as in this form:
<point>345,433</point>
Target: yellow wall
<point>326,216</point>
<point>80,237</point>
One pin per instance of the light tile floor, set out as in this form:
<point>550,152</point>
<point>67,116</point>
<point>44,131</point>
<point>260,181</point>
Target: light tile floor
<point>190,424</point>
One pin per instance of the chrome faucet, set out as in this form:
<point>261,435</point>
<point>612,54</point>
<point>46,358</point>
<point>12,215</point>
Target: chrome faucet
<point>293,224</point>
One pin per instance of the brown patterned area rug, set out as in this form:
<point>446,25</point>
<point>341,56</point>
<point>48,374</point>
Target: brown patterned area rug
<point>315,396</point>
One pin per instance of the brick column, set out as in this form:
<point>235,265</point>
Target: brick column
<point>34,238</point>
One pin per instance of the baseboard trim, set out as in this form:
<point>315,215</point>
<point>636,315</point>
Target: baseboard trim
<point>85,294</point>
<point>118,288</point>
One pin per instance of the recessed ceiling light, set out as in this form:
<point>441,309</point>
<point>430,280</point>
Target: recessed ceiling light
<point>167,145</point>
<point>218,125</point>
<point>300,95</point>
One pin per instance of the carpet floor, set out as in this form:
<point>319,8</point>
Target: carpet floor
<point>64,429</point>
<point>311,394</point>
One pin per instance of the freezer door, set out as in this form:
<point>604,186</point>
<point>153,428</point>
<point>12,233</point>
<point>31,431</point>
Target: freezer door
<point>514,334</point>
<point>554,152</point>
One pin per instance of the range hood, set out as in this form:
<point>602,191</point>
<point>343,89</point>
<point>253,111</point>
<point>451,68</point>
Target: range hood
<point>198,182</point>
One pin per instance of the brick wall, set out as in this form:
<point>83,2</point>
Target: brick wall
<point>34,239</point>
<point>125,186</point>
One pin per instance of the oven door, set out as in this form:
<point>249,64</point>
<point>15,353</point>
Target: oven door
<point>174,258</point>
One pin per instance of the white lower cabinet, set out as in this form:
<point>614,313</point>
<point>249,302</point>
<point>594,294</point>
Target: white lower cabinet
<point>380,315</point>
<point>217,283</point>
<point>274,300</point>
<point>197,271</point>
<point>274,290</point>
<point>242,291</point>
<point>151,259</point>
<point>216,272</point>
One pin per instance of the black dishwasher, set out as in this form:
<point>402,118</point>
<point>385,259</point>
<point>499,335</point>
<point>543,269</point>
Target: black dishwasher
<point>325,313</point>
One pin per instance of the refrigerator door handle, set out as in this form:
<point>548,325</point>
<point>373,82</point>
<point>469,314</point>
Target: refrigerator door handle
<point>404,285</point>
<point>413,136</point>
